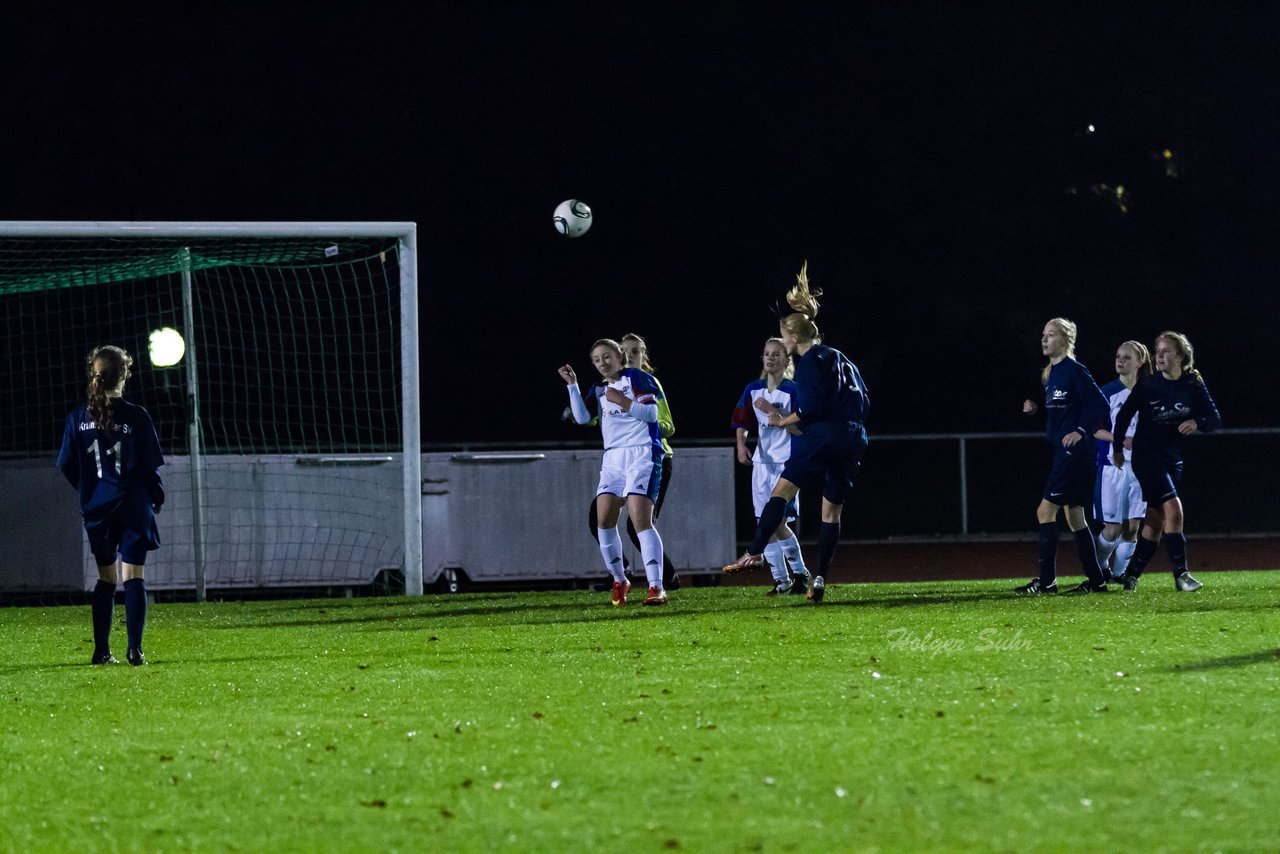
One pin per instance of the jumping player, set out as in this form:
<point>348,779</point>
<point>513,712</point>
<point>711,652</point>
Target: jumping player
<point>625,401</point>
<point>831,404</point>
<point>1120,504</point>
<point>773,392</point>
<point>1172,403</point>
<point>111,454</point>
<point>1075,410</point>
<point>636,353</point>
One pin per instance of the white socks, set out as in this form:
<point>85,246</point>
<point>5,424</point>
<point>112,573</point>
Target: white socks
<point>1105,548</point>
<point>791,548</point>
<point>611,551</point>
<point>1124,551</point>
<point>651,554</point>
<point>777,561</point>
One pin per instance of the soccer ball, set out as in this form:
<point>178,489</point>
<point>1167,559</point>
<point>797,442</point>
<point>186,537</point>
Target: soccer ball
<point>572,218</point>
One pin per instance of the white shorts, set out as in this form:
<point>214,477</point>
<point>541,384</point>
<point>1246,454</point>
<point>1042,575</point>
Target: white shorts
<point>764,477</point>
<point>1121,495</point>
<point>636,470</point>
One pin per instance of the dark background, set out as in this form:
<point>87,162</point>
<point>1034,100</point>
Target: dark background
<point>931,161</point>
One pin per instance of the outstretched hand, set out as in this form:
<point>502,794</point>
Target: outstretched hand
<point>567,374</point>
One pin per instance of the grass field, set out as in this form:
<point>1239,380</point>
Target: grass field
<point>894,717</point>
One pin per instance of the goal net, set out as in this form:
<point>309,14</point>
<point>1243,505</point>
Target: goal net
<point>290,422</point>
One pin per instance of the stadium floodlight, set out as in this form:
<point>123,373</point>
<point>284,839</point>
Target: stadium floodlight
<point>166,347</point>
<point>292,439</point>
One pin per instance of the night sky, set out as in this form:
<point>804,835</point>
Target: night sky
<point>932,162</point>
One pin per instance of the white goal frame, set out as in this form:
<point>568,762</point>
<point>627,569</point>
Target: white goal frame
<point>404,232</point>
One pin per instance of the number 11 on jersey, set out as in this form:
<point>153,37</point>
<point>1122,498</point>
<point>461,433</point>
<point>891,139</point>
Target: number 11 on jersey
<point>114,450</point>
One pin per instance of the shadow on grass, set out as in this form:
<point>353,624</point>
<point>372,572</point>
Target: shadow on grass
<point>1262,657</point>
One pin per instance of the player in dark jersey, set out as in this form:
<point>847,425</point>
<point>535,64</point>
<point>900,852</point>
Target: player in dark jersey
<point>111,454</point>
<point>1075,410</point>
<point>1171,404</point>
<point>830,407</point>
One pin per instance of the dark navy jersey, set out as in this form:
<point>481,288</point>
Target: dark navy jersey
<point>110,466</point>
<point>829,388</point>
<point>1162,404</point>
<point>1073,402</point>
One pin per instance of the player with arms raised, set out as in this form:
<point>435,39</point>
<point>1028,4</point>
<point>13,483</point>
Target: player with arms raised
<point>625,401</point>
<point>111,454</point>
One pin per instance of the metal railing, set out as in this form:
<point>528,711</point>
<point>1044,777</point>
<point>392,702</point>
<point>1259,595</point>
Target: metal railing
<point>969,485</point>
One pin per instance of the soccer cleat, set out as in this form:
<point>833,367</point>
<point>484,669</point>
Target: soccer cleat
<point>135,657</point>
<point>1035,588</point>
<point>1130,582</point>
<point>817,587</point>
<point>104,658</point>
<point>1085,587</point>
<point>799,585</point>
<point>747,561</point>
<point>656,596</point>
<point>1185,583</point>
<point>672,583</point>
<point>620,591</point>
<point>779,588</point>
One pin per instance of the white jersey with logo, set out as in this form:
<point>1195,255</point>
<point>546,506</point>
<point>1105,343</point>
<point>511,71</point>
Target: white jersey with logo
<point>774,443</point>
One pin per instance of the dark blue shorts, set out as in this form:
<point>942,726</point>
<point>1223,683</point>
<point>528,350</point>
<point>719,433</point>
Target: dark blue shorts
<point>1071,475</point>
<point>129,532</point>
<point>1158,478</point>
<point>828,454</point>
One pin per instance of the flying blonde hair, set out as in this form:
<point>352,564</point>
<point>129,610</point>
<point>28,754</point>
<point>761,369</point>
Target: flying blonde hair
<point>804,301</point>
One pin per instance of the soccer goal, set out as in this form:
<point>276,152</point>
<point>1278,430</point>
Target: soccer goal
<point>280,364</point>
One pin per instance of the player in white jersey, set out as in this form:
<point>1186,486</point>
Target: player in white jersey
<point>773,392</point>
<point>625,402</point>
<point>1122,506</point>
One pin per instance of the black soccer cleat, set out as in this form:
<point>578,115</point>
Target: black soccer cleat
<point>135,657</point>
<point>1085,587</point>
<point>799,585</point>
<point>817,589</point>
<point>1185,583</point>
<point>672,583</point>
<point>1130,583</point>
<point>104,658</point>
<point>1035,588</point>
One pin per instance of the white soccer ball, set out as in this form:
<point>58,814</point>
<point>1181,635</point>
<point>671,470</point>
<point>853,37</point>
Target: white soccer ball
<point>572,218</point>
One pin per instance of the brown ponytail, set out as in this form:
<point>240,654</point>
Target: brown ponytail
<point>108,368</point>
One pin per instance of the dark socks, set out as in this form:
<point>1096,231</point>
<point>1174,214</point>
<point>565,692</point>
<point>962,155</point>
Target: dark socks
<point>1142,554</point>
<point>1176,546</point>
<point>135,611</point>
<point>828,536</point>
<point>1088,556</point>
<point>1048,553</point>
<point>770,519</point>
<point>103,601</point>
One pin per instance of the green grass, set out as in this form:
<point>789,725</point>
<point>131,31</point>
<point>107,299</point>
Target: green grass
<point>894,717</point>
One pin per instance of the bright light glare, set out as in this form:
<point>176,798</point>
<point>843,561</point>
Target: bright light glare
<point>1092,129</point>
<point>166,347</point>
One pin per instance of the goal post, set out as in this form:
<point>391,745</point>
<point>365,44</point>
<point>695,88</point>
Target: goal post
<point>299,389</point>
